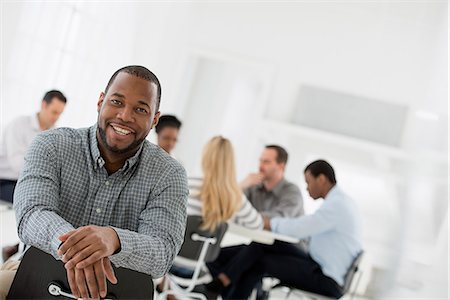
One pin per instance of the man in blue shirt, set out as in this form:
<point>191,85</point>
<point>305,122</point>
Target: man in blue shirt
<point>335,240</point>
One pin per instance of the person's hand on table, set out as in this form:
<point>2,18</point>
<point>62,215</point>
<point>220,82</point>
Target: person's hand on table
<point>266,220</point>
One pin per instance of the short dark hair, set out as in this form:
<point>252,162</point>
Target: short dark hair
<point>48,97</point>
<point>141,72</point>
<point>321,167</point>
<point>167,121</point>
<point>282,155</point>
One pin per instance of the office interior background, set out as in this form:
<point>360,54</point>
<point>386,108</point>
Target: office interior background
<point>361,84</point>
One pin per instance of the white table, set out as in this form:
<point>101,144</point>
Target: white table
<point>237,235</point>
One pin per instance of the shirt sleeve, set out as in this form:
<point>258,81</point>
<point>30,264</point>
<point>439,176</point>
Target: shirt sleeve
<point>15,146</point>
<point>290,203</point>
<point>160,235</point>
<point>36,198</point>
<point>248,216</point>
<point>322,220</point>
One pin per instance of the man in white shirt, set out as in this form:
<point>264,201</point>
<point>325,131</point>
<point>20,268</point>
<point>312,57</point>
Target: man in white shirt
<point>18,135</point>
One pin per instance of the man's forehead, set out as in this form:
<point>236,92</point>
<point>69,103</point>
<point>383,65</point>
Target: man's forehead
<point>125,84</point>
<point>268,154</point>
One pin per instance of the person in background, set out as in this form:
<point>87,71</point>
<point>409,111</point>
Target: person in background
<point>217,196</point>
<point>268,191</point>
<point>18,135</point>
<point>272,196</point>
<point>104,194</point>
<point>167,131</point>
<point>335,232</point>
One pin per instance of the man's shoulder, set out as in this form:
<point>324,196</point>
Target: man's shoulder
<point>63,135</point>
<point>20,121</point>
<point>289,186</point>
<point>159,159</point>
<point>65,132</point>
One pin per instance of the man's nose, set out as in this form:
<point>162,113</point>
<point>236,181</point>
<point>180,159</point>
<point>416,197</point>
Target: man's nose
<point>126,114</point>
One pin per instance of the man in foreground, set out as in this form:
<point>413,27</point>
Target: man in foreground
<point>104,194</point>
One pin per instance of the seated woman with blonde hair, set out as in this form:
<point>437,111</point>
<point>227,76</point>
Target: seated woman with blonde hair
<point>217,197</point>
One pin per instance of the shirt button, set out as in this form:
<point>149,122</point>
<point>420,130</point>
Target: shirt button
<point>98,210</point>
<point>107,182</point>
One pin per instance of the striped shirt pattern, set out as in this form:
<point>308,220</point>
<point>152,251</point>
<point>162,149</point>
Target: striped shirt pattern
<point>64,185</point>
<point>246,216</point>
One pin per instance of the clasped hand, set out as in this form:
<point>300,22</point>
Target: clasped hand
<point>85,252</point>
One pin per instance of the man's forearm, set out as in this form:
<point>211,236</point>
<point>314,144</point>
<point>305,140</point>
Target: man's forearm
<point>147,254</point>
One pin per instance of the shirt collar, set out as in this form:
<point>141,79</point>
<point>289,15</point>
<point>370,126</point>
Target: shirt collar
<point>35,122</point>
<point>276,190</point>
<point>99,162</point>
<point>334,190</point>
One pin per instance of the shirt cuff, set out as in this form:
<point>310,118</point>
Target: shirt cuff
<point>126,247</point>
<point>274,222</point>
<point>55,244</point>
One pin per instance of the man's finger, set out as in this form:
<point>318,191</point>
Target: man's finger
<point>77,248</point>
<point>66,235</point>
<point>72,282</point>
<point>109,271</point>
<point>91,282</point>
<point>81,255</point>
<point>101,278</point>
<point>72,240</point>
<point>94,257</point>
<point>81,283</point>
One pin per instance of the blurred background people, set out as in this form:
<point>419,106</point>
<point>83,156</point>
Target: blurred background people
<point>217,196</point>
<point>18,135</point>
<point>335,230</point>
<point>268,191</point>
<point>167,131</point>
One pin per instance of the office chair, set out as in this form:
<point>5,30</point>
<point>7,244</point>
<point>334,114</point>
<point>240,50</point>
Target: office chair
<point>199,247</point>
<point>41,276</point>
<point>348,279</point>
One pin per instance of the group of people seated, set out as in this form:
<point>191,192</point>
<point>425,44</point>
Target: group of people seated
<point>105,194</point>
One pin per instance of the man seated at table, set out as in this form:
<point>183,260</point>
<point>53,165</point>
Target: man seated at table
<point>268,191</point>
<point>104,194</point>
<point>335,232</point>
<point>271,194</point>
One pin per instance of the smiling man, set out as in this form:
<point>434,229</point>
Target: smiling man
<point>104,194</point>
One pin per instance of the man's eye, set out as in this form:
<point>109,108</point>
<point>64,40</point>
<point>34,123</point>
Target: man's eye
<point>141,110</point>
<point>115,102</point>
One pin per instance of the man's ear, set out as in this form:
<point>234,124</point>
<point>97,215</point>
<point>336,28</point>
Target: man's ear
<point>322,179</point>
<point>100,101</point>
<point>156,119</point>
<point>43,105</point>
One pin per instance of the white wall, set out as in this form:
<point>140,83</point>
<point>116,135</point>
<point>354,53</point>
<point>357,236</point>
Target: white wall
<point>237,68</point>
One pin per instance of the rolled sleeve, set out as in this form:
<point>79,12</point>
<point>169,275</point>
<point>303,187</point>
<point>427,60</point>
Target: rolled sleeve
<point>36,199</point>
<point>160,235</point>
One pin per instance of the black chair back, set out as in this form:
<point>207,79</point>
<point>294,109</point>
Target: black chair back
<point>39,269</point>
<point>191,249</point>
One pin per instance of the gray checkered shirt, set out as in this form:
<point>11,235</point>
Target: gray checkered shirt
<point>64,185</point>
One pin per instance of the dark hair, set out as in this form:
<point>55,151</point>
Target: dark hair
<point>321,167</point>
<point>48,97</point>
<point>282,155</point>
<point>167,121</point>
<point>141,72</point>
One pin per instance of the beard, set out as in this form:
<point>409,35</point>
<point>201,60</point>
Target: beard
<point>116,150</point>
